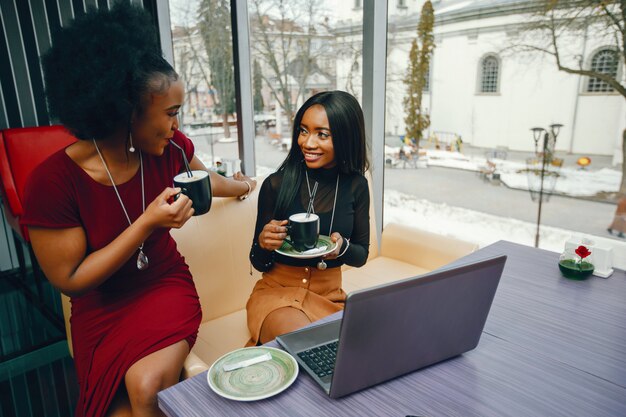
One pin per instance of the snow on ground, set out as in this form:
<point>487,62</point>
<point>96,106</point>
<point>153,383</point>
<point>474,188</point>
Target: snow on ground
<point>571,181</point>
<point>469,225</point>
<point>485,229</point>
<point>473,226</point>
<point>481,228</point>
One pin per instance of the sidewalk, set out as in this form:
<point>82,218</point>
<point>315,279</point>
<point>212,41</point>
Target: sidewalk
<point>598,182</point>
<point>597,161</point>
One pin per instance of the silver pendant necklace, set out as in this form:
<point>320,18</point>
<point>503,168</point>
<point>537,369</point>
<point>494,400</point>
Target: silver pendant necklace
<point>321,265</point>
<point>142,259</point>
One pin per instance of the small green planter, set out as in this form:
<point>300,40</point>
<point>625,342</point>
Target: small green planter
<point>573,270</point>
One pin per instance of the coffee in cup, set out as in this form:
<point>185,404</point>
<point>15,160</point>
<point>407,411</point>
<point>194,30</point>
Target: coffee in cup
<point>303,231</point>
<point>197,188</point>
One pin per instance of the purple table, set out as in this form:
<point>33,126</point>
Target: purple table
<point>551,347</point>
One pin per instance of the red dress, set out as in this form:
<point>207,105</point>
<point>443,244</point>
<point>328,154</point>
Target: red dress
<point>133,313</point>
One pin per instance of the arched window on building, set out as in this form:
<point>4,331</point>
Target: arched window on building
<point>604,61</point>
<point>489,75</point>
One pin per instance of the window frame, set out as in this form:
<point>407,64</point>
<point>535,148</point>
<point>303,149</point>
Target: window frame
<point>589,66</point>
<point>480,75</point>
<point>374,85</point>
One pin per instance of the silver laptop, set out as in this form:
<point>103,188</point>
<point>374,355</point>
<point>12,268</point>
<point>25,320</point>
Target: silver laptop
<point>393,329</point>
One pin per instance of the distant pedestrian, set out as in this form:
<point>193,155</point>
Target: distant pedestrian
<point>618,227</point>
<point>458,143</point>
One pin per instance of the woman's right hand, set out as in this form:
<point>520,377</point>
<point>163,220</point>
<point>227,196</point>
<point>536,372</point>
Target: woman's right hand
<point>161,213</point>
<point>273,234</point>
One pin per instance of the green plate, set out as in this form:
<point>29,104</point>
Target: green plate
<point>254,382</point>
<point>323,240</point>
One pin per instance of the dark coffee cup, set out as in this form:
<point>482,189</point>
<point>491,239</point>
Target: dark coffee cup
<point>197,188</point>
<point>303,231</point>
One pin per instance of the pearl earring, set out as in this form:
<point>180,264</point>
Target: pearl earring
<point>130,137</point>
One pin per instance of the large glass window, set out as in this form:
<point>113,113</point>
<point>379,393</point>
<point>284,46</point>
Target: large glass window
<point>475,171</point>
<point>203,56</point>
<point>604,62</point>
<point>489,70</point>
<point>299,48</point>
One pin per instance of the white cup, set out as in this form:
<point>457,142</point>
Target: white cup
<point>231,166</point>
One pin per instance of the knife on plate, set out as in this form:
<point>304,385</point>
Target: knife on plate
<point>247,362</point>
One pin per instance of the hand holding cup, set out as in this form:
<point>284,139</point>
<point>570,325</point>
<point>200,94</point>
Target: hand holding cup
<point>161,213</point>
<point>273,234</point>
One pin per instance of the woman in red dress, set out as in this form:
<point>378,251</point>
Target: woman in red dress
<point>99,211</point>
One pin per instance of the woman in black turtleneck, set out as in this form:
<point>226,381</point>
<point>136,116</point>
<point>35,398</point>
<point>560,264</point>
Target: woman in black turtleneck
<point>328,147</point>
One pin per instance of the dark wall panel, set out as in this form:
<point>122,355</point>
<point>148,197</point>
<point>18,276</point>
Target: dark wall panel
<point>32,62</point>
<point>17,56</point>
<point>79,7</point>
<point>3,112</point>
<point>66,11</point>
<point>7,82</point>
<point>40,24</point>
<point>54,19</point>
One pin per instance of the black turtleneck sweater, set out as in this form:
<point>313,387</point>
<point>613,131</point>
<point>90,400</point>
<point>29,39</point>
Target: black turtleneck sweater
<point>351,216</point>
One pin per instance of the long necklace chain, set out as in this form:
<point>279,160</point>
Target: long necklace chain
<point>321,265</point>
<point>332,217</point>
<point>142,259</point>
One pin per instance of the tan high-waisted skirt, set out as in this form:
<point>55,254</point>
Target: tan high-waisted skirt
<point>314,292</point>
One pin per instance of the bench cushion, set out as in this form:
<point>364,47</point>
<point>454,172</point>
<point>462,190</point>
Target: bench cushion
<point>221,335</point>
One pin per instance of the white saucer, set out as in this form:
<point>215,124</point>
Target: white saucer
<point>287,250</point>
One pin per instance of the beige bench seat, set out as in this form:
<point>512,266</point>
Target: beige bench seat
<point>216,247</point>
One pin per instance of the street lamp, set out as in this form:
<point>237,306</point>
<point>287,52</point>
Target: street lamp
<point>546,154</point>
<point>537,131</point>
<point>556,128</point>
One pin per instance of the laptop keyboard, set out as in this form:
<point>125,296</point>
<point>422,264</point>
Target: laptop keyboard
<point>321,359</point>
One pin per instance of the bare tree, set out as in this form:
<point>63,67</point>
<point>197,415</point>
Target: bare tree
<point>349,49</point>
<point>192,62</point>
<point>215,28</point>
<point>558,21</point>
<point>283,41</point>
<point>353,81</point>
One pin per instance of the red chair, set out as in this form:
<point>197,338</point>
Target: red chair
<point>21,150</point>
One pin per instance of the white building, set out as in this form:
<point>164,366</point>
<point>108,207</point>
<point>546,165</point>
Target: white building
<point>480,89</point>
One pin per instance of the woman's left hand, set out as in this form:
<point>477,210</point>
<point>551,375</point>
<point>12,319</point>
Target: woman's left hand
<point>239,176</point>
<point>335,237</point>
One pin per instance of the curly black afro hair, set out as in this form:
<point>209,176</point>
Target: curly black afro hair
<point>100,68</point>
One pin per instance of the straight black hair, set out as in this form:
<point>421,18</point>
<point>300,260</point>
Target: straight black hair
<point>347,127</point>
